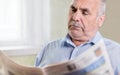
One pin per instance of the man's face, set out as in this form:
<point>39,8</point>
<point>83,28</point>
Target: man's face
<point>83,19</point>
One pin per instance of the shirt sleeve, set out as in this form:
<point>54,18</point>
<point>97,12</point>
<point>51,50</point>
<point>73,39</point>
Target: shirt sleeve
<point>39,58</point>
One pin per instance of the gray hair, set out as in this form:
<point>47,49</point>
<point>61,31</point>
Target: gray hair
<point>102,8</point>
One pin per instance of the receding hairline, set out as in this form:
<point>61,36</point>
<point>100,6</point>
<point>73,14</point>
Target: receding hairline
<point>102,8</point>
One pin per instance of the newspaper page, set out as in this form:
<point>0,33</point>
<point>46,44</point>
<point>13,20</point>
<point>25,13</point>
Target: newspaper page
<point>94,61</point>
<point>9,67</point>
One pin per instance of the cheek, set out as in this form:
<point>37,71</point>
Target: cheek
<point>90,24</point>
<point>91,28</point>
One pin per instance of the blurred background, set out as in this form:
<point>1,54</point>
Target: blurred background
<point>27,25</point>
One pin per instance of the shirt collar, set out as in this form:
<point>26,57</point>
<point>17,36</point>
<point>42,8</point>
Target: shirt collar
<point>97,37</point>
<point>93,41</point>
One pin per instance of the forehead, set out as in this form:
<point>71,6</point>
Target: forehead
<point>89,4</point>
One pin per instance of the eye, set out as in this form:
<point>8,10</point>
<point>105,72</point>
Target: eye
<point>73,9</point>
<point>85,12</point>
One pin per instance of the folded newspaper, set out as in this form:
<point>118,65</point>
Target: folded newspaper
<point>94,61</point>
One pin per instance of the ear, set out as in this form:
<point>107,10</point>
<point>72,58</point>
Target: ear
<point>101,20</point>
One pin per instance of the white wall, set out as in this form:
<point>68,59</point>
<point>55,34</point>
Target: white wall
<point>58,17</point>
<point>59,10</point>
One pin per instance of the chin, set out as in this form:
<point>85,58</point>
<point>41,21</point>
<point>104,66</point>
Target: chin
<point>79,37</point>
<point>74,34</point>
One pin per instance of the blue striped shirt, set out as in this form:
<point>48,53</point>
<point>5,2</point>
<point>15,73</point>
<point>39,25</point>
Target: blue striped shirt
<point>64,49</point>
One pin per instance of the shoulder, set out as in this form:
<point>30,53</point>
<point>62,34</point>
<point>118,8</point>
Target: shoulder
<point>54,44</point>
<point>110,44</point>
<point>48,47</point>
<point>113,49</point>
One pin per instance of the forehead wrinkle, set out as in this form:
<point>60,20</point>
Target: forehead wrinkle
<point>90,5</point>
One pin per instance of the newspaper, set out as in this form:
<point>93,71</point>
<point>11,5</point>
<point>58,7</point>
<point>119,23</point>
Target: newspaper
<point>94,61</point>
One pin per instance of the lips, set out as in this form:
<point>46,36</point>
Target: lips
<point>75,27</point>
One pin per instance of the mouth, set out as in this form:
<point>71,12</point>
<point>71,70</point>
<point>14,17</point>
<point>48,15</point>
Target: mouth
<point>72,27</point>
<point>75,26</point>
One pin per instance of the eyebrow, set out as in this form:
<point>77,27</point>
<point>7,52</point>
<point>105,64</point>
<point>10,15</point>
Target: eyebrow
<point>73,7</point>
<point>83,9</point>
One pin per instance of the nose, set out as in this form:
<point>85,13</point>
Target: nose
<point>76,16</point>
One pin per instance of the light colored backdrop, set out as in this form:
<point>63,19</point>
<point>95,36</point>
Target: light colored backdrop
<point>59,10</point>
<point>58,22</point>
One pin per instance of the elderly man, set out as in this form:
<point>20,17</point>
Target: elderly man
<point>84,19</point>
